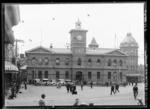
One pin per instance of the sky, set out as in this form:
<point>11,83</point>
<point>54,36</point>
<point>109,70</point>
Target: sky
<point>50,23</point>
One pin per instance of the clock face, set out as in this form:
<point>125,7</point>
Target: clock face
<point>79,37</point>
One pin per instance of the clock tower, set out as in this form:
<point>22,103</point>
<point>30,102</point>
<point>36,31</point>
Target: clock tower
<point>78,39</point>
<point>78,48</point>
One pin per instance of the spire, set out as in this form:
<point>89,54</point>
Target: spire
<point>93,43</point>
<point>78,24</point>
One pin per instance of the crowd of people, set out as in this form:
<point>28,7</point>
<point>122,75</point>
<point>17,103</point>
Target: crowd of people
<point>14,89</point>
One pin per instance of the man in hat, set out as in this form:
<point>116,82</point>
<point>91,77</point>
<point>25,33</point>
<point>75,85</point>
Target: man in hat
<point>42,101</point>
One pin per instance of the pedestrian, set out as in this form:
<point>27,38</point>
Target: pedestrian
<point>74,89</point>
<point>112,89</point>
<point>25,85</point>
<point>10,93</point>
<point>67,87</point>
<point>42,100</point>
<point>81,85</point>
<point>135,91</point>
<point>117,88</point>
<point>140,101</point>
<point>91,84</point>
<point>132,83</point>
<point>76,102</point>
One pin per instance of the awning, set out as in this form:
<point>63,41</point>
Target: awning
<point>10,68</point>
<point>23,67</point>
<point>135,75</point>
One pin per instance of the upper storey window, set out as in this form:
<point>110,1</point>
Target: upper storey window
<point>109,62</point>
<point>67,61</point>
<point>120,63</point>
<point>33,60</point>
<point>89,62</point>
<point>57,61</point>
<point>46,61</point>
<point>115,62</point>
<point>79,61</point>
<point>98,61</point>
<point>40,61</point>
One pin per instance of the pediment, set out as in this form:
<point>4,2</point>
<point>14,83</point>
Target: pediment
<point>117,53</point>
<point>39,50</point>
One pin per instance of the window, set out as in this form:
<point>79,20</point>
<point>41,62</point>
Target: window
<point>40,61</point>
<point>115,76</point>
<point>57,74</point>
<point>109,75</point>
<point>98,75</point>
<point>89,75</point>
<point>89,62</point>
<point>33,60</point>
<point>120,62</point>
<point>57,61</point>
<point>67,61</point>
<point>98,61</point>
<point>32,74</point>
<point>109,62</point>
<point>40,74</point>
<point>115,63</point>
<point>46,74</point>
<point>120,76</point>
<point>46,61</point>
<point>67,75</point>
<point>79,61</point>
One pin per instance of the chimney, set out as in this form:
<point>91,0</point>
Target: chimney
<point>51,46</point>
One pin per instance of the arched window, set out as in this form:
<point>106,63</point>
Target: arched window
<point>79,61</point>
<point>109,62</point>
<point>57,61</point>
<point>40,61</point>
<point>46,74</point>
<point>33,61</point>
<point>115,76</point>
<point>67,75</point>
<point>98,61</point>
<point>89,62</point>
<point>120,76</point>
<point>115,62</point>
<point>57,74</point>
<point>40,74</point>
<point>109,75</point>
<point>67,61</point>
<point>89,75</point>
<point>46,61</point>
<point>120,63</point>
<point>32,74</point>
<point>98,75</point>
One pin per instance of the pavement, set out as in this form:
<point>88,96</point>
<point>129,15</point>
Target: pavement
<point>97,95</point>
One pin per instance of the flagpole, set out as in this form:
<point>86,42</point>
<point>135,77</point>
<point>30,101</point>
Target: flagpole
<point>41,37</point>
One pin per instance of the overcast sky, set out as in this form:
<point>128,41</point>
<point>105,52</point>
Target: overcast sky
<point>54,21</point>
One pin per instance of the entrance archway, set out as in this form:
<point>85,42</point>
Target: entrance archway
<point>79,76</point>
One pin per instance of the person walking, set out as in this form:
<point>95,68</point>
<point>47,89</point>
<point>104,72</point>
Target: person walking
<point>81,85</point>
<point>91,84</point>
<point>76,102</point>
<point>135,91</point>
<point>25,85</point>
<point>117,88</point>
<point>42,100</point>
<point>112,89</point>
<point>67,87</point>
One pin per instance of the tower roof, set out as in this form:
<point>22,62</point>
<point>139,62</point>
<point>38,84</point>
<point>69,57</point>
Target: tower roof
<point>129,41</point>
<point>93,42</point>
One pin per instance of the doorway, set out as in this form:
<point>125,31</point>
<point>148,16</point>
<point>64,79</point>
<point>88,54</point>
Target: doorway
<point>79,76</point>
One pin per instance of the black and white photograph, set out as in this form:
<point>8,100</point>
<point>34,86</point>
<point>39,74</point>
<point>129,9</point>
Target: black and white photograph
<point>74,54</point>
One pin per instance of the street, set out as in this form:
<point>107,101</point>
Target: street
<point>97,95</point>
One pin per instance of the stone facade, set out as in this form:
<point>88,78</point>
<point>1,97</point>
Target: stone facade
<point>78,62</point>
